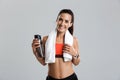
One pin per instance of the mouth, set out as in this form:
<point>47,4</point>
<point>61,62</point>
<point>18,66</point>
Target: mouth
<point>61,27</point>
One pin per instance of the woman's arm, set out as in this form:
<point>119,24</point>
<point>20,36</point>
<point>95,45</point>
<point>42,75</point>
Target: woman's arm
<point>36,44</point>
<point>76,56</point>
<point>73,50</point>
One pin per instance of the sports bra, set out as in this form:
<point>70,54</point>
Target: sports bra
<point>59,47</point>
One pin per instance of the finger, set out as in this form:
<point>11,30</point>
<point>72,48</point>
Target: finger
<point>65,51</point>
<point>67,45</point>
<point>35,41</point>
<point>35,44</point>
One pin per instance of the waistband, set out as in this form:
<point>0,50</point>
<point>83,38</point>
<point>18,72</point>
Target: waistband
<point>59,56</point>
<point>71,77</point>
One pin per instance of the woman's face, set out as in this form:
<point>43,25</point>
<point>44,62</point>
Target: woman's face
<point>64,22</point>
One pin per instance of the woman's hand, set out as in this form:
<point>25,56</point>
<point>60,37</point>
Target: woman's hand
<point>36,44</point>
<point>69,49</point>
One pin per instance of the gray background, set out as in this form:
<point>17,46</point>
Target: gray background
<point>97,26</point>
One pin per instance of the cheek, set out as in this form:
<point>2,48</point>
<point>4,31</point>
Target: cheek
<point>58,22</point>
<point>68,25</point>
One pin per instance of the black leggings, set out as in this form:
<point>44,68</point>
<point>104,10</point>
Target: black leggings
<point>71,77</point>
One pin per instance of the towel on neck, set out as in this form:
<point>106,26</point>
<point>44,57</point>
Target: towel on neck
<point>50,47</point>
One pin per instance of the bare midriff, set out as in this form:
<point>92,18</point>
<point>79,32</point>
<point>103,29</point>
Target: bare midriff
<point>60,69</point>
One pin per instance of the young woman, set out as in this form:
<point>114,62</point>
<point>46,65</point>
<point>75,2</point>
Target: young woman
<point>61,70</point>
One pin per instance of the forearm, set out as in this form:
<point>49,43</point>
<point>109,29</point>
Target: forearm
<point>36,44</point>
<point>40,59</point>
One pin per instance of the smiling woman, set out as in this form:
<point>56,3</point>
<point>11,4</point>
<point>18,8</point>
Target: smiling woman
<point>61,68</point>
<point>64,22</point>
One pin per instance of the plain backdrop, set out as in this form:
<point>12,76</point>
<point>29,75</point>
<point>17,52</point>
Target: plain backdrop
<point>97,27</point>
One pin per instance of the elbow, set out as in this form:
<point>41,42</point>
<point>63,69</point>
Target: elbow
<point>77,62</point>
<point>44,64</point>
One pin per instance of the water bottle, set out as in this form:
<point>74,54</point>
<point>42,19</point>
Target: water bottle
<point>39,49</point>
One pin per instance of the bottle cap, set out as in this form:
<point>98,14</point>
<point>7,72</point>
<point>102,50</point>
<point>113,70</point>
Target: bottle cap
<point>37,36</point>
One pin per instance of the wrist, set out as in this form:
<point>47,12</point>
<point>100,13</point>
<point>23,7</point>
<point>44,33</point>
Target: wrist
<point>76,55</point>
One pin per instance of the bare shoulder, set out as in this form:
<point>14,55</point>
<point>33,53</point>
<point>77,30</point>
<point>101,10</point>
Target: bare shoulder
<point>44,38</point>
<point>75,42</point>
<point>75,39</point>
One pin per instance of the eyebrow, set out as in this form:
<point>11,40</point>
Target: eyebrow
<point>60,19</point>
<point>65,20</point>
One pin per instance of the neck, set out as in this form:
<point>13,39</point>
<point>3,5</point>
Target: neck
<point>60,35</point>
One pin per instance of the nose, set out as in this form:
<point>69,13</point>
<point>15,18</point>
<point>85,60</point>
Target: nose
<point>62,23</point>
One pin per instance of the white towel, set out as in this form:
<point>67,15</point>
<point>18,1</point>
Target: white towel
<point>50,47</point>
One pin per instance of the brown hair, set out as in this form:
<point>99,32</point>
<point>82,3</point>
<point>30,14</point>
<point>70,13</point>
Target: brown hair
<point>68,11</point>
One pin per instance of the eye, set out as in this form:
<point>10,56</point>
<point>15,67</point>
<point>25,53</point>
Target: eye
<point>66,21</point>
<point>60,19</point>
